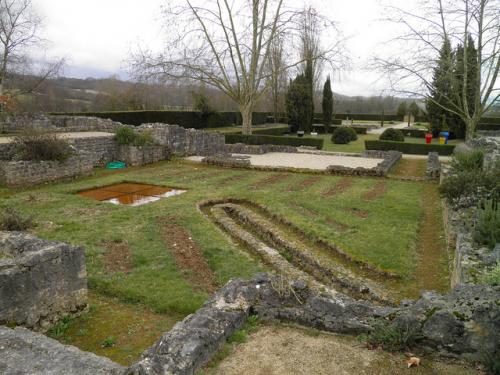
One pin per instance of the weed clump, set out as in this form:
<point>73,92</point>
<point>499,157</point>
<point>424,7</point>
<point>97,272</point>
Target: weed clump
<point>13,220</point>
<point>39,145</point>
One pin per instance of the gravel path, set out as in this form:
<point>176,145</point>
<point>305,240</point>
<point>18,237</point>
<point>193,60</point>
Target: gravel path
<point>400,125</point>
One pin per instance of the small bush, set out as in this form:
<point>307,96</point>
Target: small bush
<point>470,187</point>
<point>393,337</point>
<point>108,342</point>
<point>487,228</point>
<point>392,135</point>
<point>13,220</point>
<point>39,145</point>
<point>125,136</point>
<point>468,161</point>
<point>492,277</point>
<point>491,362</point>
<point>343,135</point>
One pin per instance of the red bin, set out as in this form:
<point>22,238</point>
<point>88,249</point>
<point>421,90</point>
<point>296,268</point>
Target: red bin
<point>428,138</point>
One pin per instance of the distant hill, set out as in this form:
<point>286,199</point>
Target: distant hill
<point>111,94</point>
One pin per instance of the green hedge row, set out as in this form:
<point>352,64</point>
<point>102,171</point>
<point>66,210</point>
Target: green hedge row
<point>357,129</point>
<point>186,119</point>
<point>415,133</point>
<point>490,120</point>
<point>486,126</point>
<point>273,140</point>
<point>409,148</point>
<point>272,131</point>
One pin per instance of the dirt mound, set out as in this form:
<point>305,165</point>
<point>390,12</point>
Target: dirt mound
<point>188,256</point>
<point>376,192</point>
<point>118,257</point>
<point>343,185</point>
<point>269,180</point>
<point>304,184</point>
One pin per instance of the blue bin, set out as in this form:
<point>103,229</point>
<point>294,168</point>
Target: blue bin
<point>446,135</point>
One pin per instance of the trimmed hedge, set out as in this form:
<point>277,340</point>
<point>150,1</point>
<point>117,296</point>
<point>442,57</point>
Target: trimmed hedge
<point>271,131</point>
<point>273,140</point>
<point>415,133</point>
<point>409,148</point>
<point>490,120</point>
<point>486,126</point>
<point>186,119</point>
<point>357,129</point>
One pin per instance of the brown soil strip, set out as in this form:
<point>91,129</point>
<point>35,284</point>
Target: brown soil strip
<point>118,258</point>
<point>432,270</point>
<point>231,179</point>
<point>188,255</point>
<point>313,214</point>
<point>376,192</point>
<point>358,212</point>
<point>410,168</point>
<point>343,185</point>
<point>270,180</point>
<point>305,183</point>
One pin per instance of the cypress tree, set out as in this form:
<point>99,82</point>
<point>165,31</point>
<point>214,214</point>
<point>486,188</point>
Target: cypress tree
<point>327,103</point>
<point>413,109</point>
<point>402,109</point>
<point>299,104</point>
<point>442,89</point>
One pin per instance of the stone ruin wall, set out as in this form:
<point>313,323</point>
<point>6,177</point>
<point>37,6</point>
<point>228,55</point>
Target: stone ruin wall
<point>40,281</point>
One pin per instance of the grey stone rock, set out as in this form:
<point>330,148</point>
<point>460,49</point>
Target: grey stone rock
<point>26,352</point>
<point>40,281</point>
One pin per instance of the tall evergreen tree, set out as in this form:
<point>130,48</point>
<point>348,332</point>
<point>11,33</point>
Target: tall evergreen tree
<point>456,123</point>
<point>413,109</point>
<point>299,104</point>
<point>402,109</point>
<point>327,103</point>
<point>442,89</point>
<point>309,75</point>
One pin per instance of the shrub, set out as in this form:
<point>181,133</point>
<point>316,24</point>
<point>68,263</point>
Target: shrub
<point>13,220</point>
<point>392,135</point>
<point>468,188</point>
<point>487,228</point>
<point>274,140</point>
<point>393,337</point>
<point>468,161</point>
<point>39,145</point>
<point>343,135</point>
<point>125,135</point>
<point>409,148</point>
<point>143,138</point>
<point>492,277</point>
<point>357,129</point>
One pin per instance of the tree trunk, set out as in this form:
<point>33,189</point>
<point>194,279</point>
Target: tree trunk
<point>246,116</point>
<point>470,129</point>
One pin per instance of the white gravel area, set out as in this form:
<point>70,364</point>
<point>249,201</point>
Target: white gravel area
<point>74,135</point>
<point>304,161</point>
<point>310,161</point>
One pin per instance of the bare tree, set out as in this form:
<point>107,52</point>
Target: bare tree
<point>19,32</point>
<point>426,30</point>
<point>277,75</point>
<point>225,44</point>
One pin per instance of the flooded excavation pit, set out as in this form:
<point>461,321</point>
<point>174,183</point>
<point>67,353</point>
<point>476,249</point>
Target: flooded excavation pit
<point>130,194</point>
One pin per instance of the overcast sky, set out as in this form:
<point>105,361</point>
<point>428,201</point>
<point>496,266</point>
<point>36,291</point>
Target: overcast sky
<point>96,36</point>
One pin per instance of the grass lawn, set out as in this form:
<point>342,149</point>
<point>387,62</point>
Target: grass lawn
<point>385,237</point>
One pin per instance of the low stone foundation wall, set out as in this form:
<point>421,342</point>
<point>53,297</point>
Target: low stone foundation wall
<point>464,323</point>
<point>241,148</point>
<point>391,158</point>
<point>148,154</point>
<point>40,281</point>
<point>23,173</point>
<point>433,171</point>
